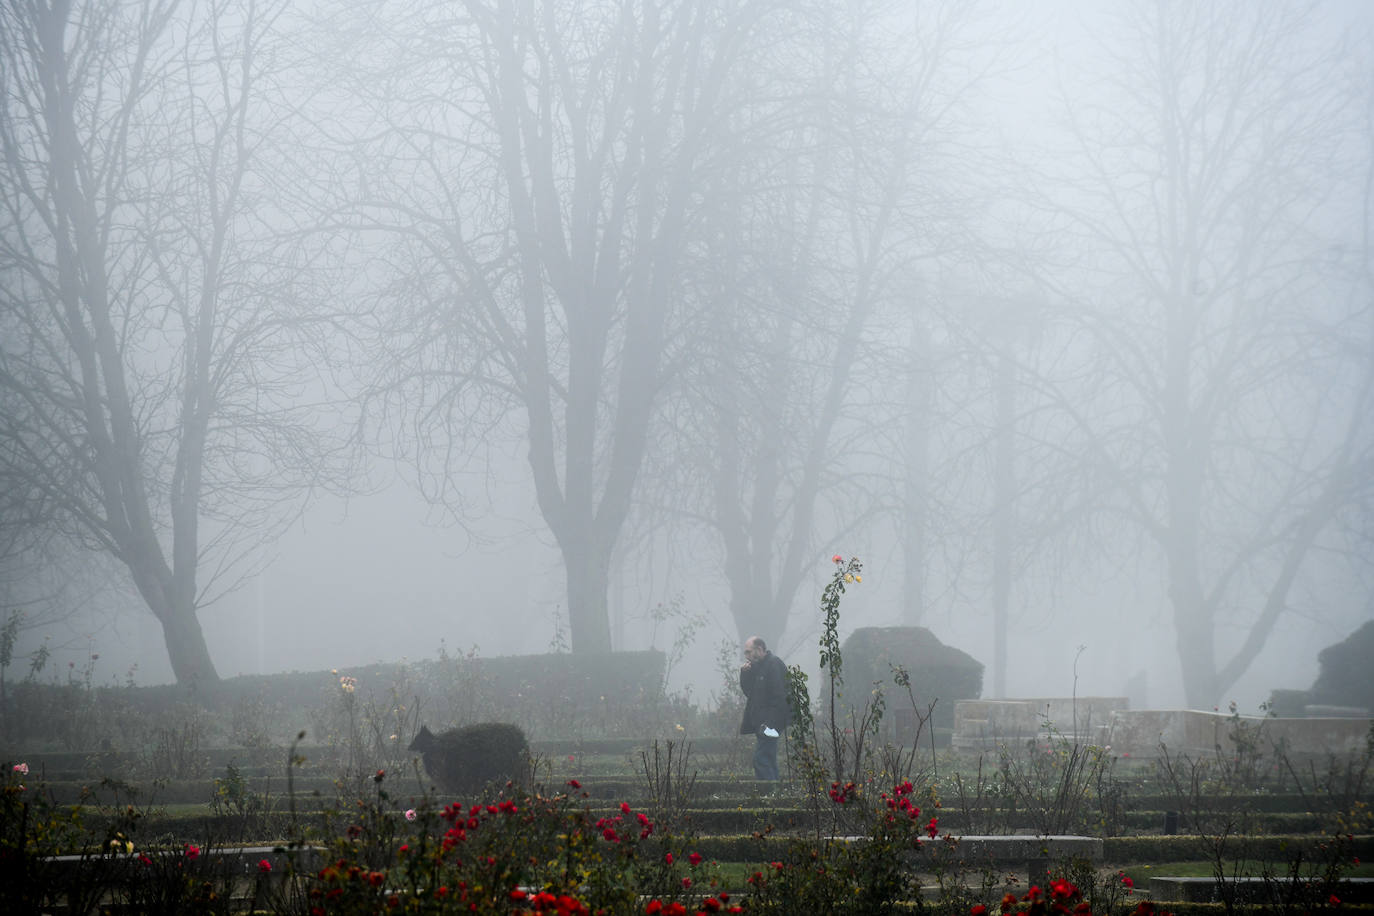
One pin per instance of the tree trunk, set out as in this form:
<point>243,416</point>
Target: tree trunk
<point>1196,652</point>
<point>588,572</point>
<point>1004,519</point>
<point>756,614</point>
<point>186,648</point>
<point>916,500</point>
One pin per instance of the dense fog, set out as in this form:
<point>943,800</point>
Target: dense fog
<point>370,330</point>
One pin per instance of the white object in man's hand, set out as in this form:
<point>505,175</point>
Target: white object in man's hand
<point>770,731</point>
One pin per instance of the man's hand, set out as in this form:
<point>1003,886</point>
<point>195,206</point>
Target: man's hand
<point>770,731</point>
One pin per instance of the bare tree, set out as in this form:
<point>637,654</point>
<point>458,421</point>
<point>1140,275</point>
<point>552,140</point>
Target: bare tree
<point>1227,409</point>
<point>151,370</point>
<point>850,195</point>
<point>541,166</point>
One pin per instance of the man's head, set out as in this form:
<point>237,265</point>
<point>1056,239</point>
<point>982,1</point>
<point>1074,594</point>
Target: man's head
<point>755,648</point>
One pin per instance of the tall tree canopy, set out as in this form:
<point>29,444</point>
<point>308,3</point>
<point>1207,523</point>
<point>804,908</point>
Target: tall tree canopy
<point>541,173</point>
<point>1228,408</point>
<point>152,371</point>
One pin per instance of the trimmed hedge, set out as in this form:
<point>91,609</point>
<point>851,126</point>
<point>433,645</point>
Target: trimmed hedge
<point>548,695</point>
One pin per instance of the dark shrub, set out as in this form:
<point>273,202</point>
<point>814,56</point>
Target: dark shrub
<point>1346,677</point>
<point>465,760</point>
<point>938,671</point>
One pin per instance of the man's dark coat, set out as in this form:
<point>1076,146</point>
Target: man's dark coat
<point>764,683</point>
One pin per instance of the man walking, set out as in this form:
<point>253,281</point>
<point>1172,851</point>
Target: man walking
<point>764,682</point>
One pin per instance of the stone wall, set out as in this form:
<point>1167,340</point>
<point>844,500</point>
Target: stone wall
<point>1138,733</point>
<point>988,723</point>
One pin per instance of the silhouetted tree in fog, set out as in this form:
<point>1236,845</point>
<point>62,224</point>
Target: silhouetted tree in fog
<point>539,167</point>
<point>150,376</point>
<point>812,237</point>
<point>1211,183</point>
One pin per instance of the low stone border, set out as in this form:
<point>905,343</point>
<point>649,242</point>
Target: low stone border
<point>239,864</point>
<point>223,860</point>
<point>1247,890</point>
<point>1034,854</point>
